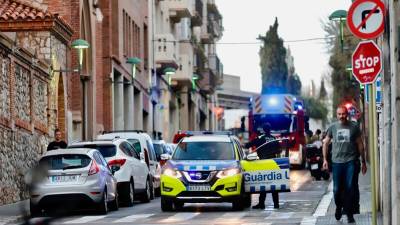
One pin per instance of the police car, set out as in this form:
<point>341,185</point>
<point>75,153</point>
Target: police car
<point>212,167</point>
<point>204,168</point>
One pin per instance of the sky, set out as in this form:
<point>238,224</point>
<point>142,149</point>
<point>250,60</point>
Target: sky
<point>244,21</point>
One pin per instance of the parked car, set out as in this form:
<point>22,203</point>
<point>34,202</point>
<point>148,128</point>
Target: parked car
<point>75,177</point>
<point>172,147</point>
<point>160,147</point>
<point>143,143</point>
<point>132,173</point>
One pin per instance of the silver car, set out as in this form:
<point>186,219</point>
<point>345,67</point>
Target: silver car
<point>75,177</point>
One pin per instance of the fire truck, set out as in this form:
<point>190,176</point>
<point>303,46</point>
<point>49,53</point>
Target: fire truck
<point>286,115</point>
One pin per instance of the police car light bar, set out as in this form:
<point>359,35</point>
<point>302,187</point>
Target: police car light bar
<point>209,132</point>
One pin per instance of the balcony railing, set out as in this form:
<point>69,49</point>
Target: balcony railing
<point>197,18</point>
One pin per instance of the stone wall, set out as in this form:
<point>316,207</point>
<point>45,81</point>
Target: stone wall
<point>19,151</point>
<point>24,120</point>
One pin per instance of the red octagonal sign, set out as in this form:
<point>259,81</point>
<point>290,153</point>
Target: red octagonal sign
<point>367,62</point>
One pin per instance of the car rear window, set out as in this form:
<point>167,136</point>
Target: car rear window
<point>64,162</point>
<point>204,151</point>
<point>136,144</point>
<point>158,148</point>
<point>105,150</point>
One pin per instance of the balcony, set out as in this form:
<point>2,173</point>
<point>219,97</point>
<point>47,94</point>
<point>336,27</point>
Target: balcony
<point>166,50</point>
<point>208,82</point>
<point>179,9</point>
<point>215,65</point>
<point>197,18</point>
<point>183,74</point>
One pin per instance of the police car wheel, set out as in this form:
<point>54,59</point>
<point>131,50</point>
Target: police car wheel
<point>237,204</point>
<point>247,200</point>
<point>179,205</point>
<point>166,204</point>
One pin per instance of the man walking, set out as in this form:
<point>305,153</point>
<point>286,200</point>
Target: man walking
<point>267,148</point>
<point>346,149</point>
<point>58,143</point>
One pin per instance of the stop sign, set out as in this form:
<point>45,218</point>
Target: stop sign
<point>367,62</point>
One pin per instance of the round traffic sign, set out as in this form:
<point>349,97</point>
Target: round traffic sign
<point>366,62</point>
<point>366,18</point>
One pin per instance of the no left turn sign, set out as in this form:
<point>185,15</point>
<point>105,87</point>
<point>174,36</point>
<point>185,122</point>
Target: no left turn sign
<point>366,18</point>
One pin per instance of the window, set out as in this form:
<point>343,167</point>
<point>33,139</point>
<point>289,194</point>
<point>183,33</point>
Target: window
<point>136,145</point>
<point>204,151</point>
<point>151,151</point>
<point>68,161</point>
<point>125,148</point>
<point>106,150</point>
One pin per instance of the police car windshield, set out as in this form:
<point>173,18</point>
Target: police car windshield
<point>204,151</point>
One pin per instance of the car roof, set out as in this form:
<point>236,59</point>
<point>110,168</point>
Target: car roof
<point>158,142</point>
<point>126,135</point>
<point>69,151</point>
<point>207,138</point>
<point>98,142</point>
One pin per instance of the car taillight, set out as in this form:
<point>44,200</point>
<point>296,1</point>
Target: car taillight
<point>162,162</point>
<point>94,168</point>
<point>117,162</point>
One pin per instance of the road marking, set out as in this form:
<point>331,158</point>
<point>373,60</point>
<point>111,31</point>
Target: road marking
<point>231,217</point>
<point>325,202</point>
<point>179,217</point>
<point>309,220</point>
<point>133,218</point>
<point>85,219</point>
<point>264,223</point>
<point>280,215</point>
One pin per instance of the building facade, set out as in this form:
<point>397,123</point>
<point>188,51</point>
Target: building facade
<point>185,33</point>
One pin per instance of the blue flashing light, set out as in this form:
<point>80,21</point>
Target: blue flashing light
<point>273,101</point>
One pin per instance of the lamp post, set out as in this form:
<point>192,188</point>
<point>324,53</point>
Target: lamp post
<point>80,45</point>
<point>339,15</point>
<point>133,61</point>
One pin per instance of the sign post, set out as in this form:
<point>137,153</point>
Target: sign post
<point>367,64</point>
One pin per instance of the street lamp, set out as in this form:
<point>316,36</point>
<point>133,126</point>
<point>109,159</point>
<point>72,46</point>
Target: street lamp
<point>133,61</point>
<point>195,77</point>
<point>169,71</point>
<point>80,45</point>
<point>339,15</point>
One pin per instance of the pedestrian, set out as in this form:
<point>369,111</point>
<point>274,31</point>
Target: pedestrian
<point>309,135</point>
<point>316,136</point>
<point>347,146</point>
<point>267,148</point>
<point>57,143</point>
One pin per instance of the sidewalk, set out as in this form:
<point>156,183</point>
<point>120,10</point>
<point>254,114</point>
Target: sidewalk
<point>12,212</point>
<point>365,215</point>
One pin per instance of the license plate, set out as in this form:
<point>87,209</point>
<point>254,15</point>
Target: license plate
<point>199,188</point>
<point>314,166</point>
<point>63,179</point>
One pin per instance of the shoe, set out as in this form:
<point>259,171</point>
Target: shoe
<point>350,219</point>
<point>338,213</point>
<point>259,206</point>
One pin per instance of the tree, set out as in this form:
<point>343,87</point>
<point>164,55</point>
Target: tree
<point>344,89</point>
<point>322,90</point>
<point>315,108</point>
<point>274,70</point>
<point>294,84</point>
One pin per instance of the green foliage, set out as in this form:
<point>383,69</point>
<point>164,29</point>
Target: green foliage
<point>315,108</point>
<point>274,70</point>
<point>344,89</point>
<point>322,90</point>
<point>294,84</point>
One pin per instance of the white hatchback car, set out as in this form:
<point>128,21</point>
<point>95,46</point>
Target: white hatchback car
<point>75,178</point>
<point>132,173</point>
<point>142,142</point>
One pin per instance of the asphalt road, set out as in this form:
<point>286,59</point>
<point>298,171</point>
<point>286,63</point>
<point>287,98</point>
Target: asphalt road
<point>295,206</point>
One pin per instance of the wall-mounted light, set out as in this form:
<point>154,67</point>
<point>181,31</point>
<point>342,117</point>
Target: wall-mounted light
<point>133,61</point>
<point>195,77</point>
<point>80,44</point>
<point>169,71</point>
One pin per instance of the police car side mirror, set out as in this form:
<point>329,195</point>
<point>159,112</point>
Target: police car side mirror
<point>252,156</point>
